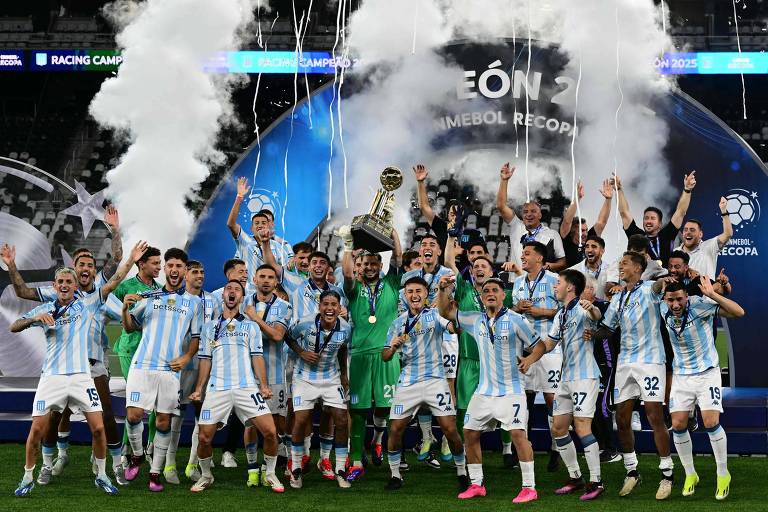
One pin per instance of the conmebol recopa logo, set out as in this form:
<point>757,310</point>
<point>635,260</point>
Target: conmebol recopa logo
<point>744,210</point>
<point>10,60</point>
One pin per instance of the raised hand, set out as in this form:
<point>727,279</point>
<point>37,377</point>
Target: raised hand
<point>111,218</point>
<point>615,181</point>
<point>580,190</point>
<point>689,181</point>
<point>723,205</point>
<point>8,254</point>
<point>511,266</point>
<point>706,287</point>
<point>607,189</point>
<point>446,281</point>
<point>138,250</point>
<point>722,278</point>
<point>421,172</point>
<point>506,171</point>
<point>242,187</point>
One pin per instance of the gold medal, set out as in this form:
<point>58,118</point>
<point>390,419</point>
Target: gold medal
<point>171,301</point>
<point>372,319</point>
<point>230,328</point>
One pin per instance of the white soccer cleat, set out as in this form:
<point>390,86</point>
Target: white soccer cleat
<point>228,460</point>
<point>296,480</point>
<point>59,464</point>
<point>202,484</point>
<point>274,483</point>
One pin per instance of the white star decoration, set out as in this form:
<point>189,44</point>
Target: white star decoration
<point>88,207</point>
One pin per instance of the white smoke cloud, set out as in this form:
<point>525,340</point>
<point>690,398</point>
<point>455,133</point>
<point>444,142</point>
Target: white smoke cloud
<point>389,122</point>
<point>168,107</point>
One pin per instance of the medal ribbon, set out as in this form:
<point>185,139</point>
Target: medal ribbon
<point>532,289</point>
<point>683,323</point>
<point>372,295</point>
<point>318,347</point>
<point>490,326</point>
<point>623,303</point>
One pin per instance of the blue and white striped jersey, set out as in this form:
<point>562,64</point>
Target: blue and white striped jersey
<point>637,313</point>
<point>166,322</point>
<point>578,355</point>
<point>433,280</point>
<point>69,338</point>
<point>540,291</point>
<point>309,336</point>
<point>691,336</point>
<point>217,296</point>
<point>249,250</point>
<point>421,356</point>
<point>275,311</point>
<point>499,342</point>
<point>209,313</point>
<point>98,341</point>
<point>304,294</point>
<point>230,344</point>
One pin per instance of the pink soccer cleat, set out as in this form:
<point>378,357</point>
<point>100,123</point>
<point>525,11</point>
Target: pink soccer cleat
<point>473,491</point>
<point>154,483</point>
<point>132,471</point>
<point>526,494</point>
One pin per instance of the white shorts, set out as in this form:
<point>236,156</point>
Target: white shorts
<point>306,394</point>
<point>99,369</point>
<point>485,413</point>
<point>702,389</point>
<point>577,397</point>
<point>278,404</point>
<point>247,403</point>
<point>153,390</point>
<point>432,393</point>
<point>450,355</point>
<point>646,381</point>
<point>544,374</point>
<point>187,383</point>
<point>57,392</point>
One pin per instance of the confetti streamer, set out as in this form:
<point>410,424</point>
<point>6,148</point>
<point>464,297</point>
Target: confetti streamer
<point>527,107</point>
<point>574,187</point>
<point>738,45</point>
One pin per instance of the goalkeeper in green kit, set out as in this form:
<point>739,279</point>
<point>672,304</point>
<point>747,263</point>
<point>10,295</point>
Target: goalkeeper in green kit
<point>125,347</point>
<point>373,306</point>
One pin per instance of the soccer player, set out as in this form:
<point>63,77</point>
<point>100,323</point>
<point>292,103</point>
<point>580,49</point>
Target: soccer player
<point>194,280</point>
<point>499,398</point>
<point>273,316</point>
<point>579,384</point>
<point>576,234</point>
<point>653,268</point>
<point>703,253</point>
<point>593,265</point>
<point>533,296</point>
<point>231,362</point>
<point>85,268</point>
<point>373,306</point>
<point>300,261</point>
<point>696,375</point>
<point>248,248</point>
<point>320,374</point>
<point>640,371</point>
<point>679,269</point>
<point>65,379</point>
<point>660,239</point>
<point>287,250</point>
<point>417,337</point>
<point>166,318</point>
<point>529,228</point>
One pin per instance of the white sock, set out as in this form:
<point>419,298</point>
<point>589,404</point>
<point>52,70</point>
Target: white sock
<point>29,474</point>
<point>135,432</point>
<point>342,451</point>
<point>719,442</point>
<point>666,465</point>
<point>48,452</point>
<point>195,440</point>
<point>326,445</point>
<point>568,453</point>
<point>115,451</point>
<point>62,442</point>
<point>162,439</point>
<point>506,448</point>
<point>297,452</point>
<point>592,454</point>
<point>529,480</point>
<point>308,444</point>
<point>270,461</point>
<point>684,448</point>
<point>630,461</point>
<point>101,467</point>
<point>173,443</point>
<point>475,473</point>
<point>205,467</point>
<point>425,424</point>
<point>394,464</point>
<point>461,463</point>
<point>379,427</point>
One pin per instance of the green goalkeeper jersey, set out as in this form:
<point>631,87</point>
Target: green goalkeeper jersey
<point>383,300</point>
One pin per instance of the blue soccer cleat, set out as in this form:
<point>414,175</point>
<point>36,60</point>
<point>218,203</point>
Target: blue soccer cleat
<point>24,489</point>
<point>105,484</point>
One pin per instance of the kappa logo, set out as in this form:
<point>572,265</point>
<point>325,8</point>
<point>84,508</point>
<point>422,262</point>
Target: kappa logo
<point>715,402</point>
<point>398,409</point>
<point>40,405</point>
<point>261,408</point>
<point>577,409</point>
<point>448,408</point>
<point>205,415</point>
<point>516,421</point>
<point>135,395</point>
<point>652,393</point>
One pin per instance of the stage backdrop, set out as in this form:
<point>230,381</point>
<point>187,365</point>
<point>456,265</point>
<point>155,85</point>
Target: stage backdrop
<point>698,140</point>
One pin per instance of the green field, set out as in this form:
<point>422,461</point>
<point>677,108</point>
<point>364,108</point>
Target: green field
<point>425,489</point>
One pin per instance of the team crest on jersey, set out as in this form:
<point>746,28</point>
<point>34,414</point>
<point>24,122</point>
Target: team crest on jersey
<point>296,401</point>
<point>135,395</point>
<point>354,399</point>
<point>504,324</point>
<point>40,405</point>
<point>398,409</point>
<point>171,301</point>
<point>205,414</point>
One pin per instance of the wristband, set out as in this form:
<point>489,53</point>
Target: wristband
<point>687,191</point>
<point>726,214</point>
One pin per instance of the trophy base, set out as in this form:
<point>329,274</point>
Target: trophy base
<point>371,234</point>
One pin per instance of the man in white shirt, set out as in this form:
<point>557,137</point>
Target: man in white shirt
<point>703,253</point>
<point>528,228</point>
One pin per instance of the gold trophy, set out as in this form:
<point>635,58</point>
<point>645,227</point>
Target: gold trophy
<point>373,230</point>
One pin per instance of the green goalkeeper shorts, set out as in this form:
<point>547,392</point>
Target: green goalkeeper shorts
<point>467,378</point>
<point>372,380</point>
